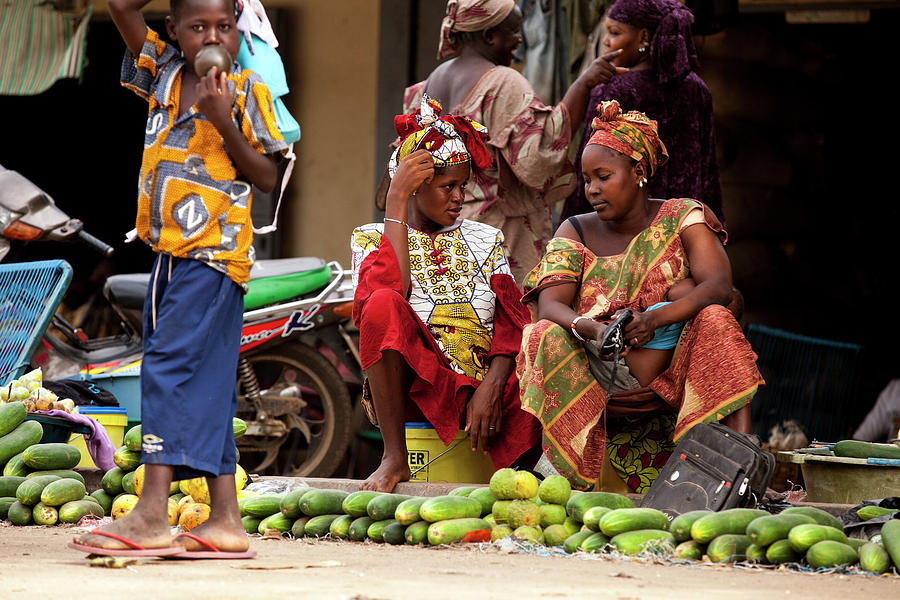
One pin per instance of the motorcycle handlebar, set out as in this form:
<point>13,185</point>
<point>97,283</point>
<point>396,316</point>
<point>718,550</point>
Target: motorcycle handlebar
<point>98,245</point>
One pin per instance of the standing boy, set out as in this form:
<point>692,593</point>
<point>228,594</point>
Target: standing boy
<point>208,138</point>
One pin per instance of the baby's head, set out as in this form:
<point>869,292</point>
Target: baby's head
<point>193,24</point>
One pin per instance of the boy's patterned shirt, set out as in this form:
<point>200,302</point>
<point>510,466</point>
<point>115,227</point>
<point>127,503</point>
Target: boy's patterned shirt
<point>192,202</point>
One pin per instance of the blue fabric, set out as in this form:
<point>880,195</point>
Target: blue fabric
<point>188,394</point>
<point>665,337</point>
<point>266,62</point>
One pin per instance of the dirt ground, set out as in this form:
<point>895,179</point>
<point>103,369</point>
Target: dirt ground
<point>37,564</point>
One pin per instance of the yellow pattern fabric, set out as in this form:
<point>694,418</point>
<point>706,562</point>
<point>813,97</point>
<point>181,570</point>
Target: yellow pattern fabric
<point>192,201</point>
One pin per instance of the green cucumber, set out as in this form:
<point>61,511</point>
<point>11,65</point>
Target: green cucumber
<point>690,550</point>
<point>355,504</point>
<point>578,504</point>
<point>104,500</point>
<point>132,439</point>
<point>443,508</point>
<point>890,539</point>
<point>58,492</point>
<point>729,547</point>
<point>463,491</point>
<point>5,503</point>
<point>290,502</point>
<point>487,499</point>
<point>802,537</point>
<point>417,533</point>
<point>9,484</point>
<point>594,543</point>
<point>375,532</point>
<point>262,506</point>
<point>870,511</point>
<point>322,502</point>
<point>251,524</point>
<point>829,553</point>
<point>817,514</point>
<point>592,517</point>
<point>74,511</point>
<point>756,554</point>
<point>359,528</point>
<point>766,530</point>
<point>19,514</point>
<point>298,529</point>
<point>126,459</point>
<point>29,492</point>
<point>276,521</point>
<point>15,467</point>
<point>12,415</point>
<point>630,519</point>
<point>874,558</point>
<point>573,542</point>
<point>394,533</point>
<point>857,449</point>
<point>340,527</point>
<point>319,525</point>
<point>112,481</point>
<point>732,521</point>
<point>637,541</point>
<point>407,511</point>
<point>383,506</point>
<point>45,457</point>
<point>61,473</point>
<point>781,552</point>
<point>238,427</point>
<point>43,514</point>
<point>454,530</point>
<point>27,434</point>
<point>681,525</point>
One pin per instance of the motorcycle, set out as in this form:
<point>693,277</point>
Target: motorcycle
<point>299,362</point>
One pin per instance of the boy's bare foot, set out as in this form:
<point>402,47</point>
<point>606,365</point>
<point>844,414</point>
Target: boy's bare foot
<point>389,473</point>
<point>225,534</point>
<point>137,527</point>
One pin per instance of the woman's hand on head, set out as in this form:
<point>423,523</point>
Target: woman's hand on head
<point>412,172</point>
<point>214,99</point>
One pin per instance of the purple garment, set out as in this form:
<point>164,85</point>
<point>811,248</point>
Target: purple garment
<point>684,113</point>
<point>98,444</point>
<point>672,51</point>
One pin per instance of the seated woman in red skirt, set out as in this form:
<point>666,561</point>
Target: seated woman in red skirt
<point>438,310</point>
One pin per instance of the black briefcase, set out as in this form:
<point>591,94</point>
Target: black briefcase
<point>713,468</point>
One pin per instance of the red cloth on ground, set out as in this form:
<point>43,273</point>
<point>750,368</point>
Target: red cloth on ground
<point>387,322</point>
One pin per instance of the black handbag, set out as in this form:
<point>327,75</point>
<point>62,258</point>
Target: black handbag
<point>713,468</point>
<point>613,343</point>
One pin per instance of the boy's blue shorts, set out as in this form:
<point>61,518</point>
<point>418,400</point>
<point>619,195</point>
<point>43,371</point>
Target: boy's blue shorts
<point>193,316</point>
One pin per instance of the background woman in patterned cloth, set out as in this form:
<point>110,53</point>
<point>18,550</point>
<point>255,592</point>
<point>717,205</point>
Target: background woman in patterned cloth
<point>528,142</point>
<point>438,311</point>
<point>688,360</point>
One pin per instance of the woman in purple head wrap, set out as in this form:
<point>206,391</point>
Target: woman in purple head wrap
<point>658,50</point>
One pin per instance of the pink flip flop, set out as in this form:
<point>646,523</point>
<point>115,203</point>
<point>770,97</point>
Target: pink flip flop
<point>133,550</point>
<point>213,552</point>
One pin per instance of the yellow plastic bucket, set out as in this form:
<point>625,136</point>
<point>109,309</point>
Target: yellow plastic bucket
<point>113,420</point>
<point>459,465</point>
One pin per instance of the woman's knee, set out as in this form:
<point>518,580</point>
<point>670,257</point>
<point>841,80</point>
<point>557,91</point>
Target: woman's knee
<point>379,304</point>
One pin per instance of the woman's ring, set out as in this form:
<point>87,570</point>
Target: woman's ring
<point>491,427</point>
<point>634,341</point>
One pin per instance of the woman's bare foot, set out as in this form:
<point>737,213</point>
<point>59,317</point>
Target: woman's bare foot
<point>138,526</point>
<point>226,534</point>
<point>389,473</point>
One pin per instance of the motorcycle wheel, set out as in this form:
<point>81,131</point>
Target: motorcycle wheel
<point>315,447</point>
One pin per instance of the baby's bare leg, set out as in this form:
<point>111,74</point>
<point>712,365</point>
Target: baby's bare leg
<point>646,364</point>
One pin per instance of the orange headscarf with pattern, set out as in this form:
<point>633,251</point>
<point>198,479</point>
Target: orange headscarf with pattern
<point>633,134</point>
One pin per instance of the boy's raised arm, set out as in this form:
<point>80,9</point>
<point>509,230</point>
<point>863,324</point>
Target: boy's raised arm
<point>126,14</point>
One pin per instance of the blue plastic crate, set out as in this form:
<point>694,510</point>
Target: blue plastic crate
<point>30,292</point>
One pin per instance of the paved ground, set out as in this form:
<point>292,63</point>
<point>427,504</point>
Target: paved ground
<point>36,564</point>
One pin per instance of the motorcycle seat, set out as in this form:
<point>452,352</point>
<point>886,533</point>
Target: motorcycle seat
<point>271,281</point>
<point>281,279</point>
